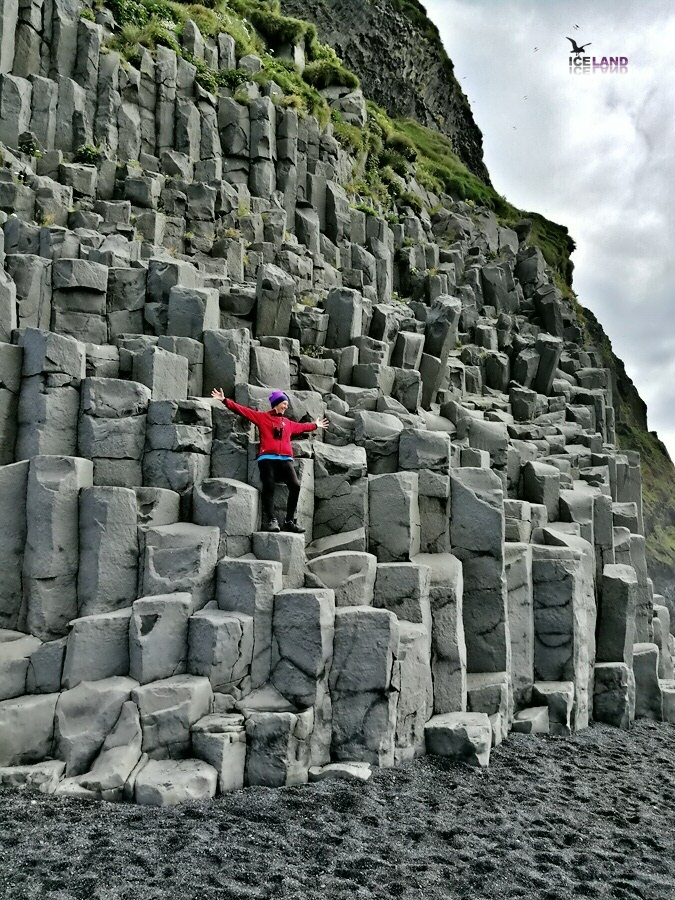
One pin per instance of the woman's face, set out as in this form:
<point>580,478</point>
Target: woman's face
<point>281,407</point>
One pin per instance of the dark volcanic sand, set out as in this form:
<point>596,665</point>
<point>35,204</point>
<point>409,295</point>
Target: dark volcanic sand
<point>592,815</point>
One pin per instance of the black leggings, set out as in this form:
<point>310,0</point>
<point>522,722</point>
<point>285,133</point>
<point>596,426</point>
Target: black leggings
<point>272,471</point>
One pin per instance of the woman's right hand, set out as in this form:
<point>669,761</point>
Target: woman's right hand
<point>218,394</point>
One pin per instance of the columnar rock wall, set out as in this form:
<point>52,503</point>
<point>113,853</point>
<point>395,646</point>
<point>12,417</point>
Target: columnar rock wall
<point>474,558</point>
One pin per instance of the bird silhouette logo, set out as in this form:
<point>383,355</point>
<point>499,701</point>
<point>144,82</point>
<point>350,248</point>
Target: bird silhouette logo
<point>577,51</point>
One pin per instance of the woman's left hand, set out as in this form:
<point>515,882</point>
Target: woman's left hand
<point>322,423</point>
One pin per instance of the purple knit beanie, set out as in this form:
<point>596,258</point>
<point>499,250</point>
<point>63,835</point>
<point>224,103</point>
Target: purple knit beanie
<point>277,397</point>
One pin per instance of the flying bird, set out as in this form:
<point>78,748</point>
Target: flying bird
<point>578,50</point>
<point>535,49</point>
<point>576,26</point>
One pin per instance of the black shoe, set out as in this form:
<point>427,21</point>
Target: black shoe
<point>273,525</point>
<point>292,525</point>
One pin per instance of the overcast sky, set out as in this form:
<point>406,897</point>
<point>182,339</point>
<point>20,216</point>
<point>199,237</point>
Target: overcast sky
<point>595,152</point>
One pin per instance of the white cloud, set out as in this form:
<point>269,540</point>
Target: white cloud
<point>592,151</point>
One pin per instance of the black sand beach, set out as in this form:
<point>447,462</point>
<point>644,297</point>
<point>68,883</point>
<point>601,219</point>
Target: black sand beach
<point>592,815</point>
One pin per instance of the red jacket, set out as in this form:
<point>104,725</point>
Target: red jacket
<point>266,422</point>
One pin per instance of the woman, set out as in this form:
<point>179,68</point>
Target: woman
<point>275,457</point>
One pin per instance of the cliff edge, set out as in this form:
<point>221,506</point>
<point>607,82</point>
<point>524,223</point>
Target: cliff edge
<point>397,52</point>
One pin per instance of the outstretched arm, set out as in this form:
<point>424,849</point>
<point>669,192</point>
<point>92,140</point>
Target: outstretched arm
<point>301,427</point>
<point>251,414</point>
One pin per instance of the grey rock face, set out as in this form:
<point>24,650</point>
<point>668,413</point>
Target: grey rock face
<point>233,507</point>
<point>193,351</point>
<point>275,294</point>
<point>278,748</point>
<point>15,653</point>
<point>421,449</point>
<point>616,631</point>
<point>226,359</point>
<point>460,736</point>
<point>45,666</point>
<point>32,278</point>
<point>119,756</point>
<point>221,649</point>
<point>157,637</point>
<point>192,311</point>
<point>448,644</point>
<point>165,373</point>
<point>13,482</point>
<point>180,558</point>
<point>270,368</point>
<point>379,434</point>
<point>394,523</point>
<point>344,308</point>
<point>415,701</point>
<point>288,549</point>
<point>549,349</point>
<point>341,489</point>
<point>108,550</point>
<point>51,553</point>
<point>477,536</point>
<point>157,506</point>
<point>560,643</point>
<point>541,484</point>
<point>648,692</point>
<point>350,574</point>
<point>15,103</point>
<point>27,731</point>
<point>169,782</point>
<point>614,694</point>
<point>168,709</point>
<point>112,429</point>
<point>97,648</point>
<point>518,572</point>
<point>403,589</point>
<point>220,740</point>
<point>85,715</point>
<point>53,367</point>
<point>364,704</point>
<point>661,628</point>
<point>163,275</point>
<point>248,587</point>
<point>441,327</point>
<point>303,630</point>
<point>78,299</point>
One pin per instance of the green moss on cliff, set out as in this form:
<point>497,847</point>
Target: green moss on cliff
<point>554,242</point>
<point>438,160</point>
